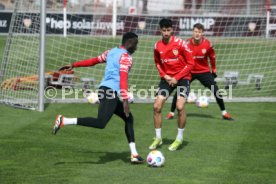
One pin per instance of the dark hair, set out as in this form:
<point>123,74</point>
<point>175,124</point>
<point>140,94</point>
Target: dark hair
<point>199,26</point>
<point>127,36</point>
<point>165,23</point>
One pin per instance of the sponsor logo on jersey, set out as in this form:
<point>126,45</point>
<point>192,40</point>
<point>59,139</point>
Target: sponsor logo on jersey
<point>175,52</point>
<point>169,60</point>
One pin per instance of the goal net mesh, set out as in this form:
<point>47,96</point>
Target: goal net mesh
<point>245,50</point>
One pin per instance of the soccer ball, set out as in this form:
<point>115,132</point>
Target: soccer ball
<point>191,98</point>
<point>93,98</point>
<point>202,101</point>
<point>130,97</point>
<point>155,159</point>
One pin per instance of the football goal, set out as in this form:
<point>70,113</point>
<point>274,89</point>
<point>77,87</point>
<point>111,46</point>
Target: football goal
<point>243,34</point>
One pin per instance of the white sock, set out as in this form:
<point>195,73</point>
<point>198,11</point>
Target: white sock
<point>172,113</point>
<point>133,148</point>
<point>180,133</point>
<point>223,112</point>
<point>70,121</point>
<point>158,133</point>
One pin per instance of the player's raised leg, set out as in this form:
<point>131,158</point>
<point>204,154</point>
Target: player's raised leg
<point>107,106</point>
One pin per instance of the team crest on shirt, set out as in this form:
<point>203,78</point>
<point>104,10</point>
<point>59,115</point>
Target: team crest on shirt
<point>203,51</point>
<point>175,52</point>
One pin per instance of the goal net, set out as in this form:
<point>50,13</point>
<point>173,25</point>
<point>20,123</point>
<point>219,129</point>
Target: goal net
<point>243,35</point>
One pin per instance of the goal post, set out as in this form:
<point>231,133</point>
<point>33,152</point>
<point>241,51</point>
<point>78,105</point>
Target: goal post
<point>268,10</point>
<point>246,58</point>
<point>114,18</point>
<point>64,18</point>
<point>42,49</point>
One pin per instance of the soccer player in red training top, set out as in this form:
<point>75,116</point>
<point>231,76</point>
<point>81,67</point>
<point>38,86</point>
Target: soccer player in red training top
<point>202,50</point>
<point>118,64</point>
<point>174,62</point>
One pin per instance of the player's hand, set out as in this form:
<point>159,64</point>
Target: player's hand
<point>214,75</point>
<point>173,82</point>
<point>168,78</point>
<point>126,107</point>
<point>66,67</point>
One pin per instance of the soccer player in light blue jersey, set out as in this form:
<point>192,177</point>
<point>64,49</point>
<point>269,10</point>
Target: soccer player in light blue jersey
<point>118,64</point>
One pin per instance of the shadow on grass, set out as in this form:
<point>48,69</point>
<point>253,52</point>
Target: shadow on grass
<point>194,115</point>
<point>201,115</point>
<point>104,157</point>
<point>167,142</point>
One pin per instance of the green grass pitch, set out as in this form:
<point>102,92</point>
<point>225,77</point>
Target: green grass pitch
<point>214,150</point>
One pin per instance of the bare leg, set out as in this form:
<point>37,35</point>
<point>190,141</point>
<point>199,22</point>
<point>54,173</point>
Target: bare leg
<point>157,117</point>
<point>157,108</point>
<point>180,105</point>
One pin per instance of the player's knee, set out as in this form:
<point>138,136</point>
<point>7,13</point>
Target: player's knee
<point>180,107</point>
<point>217,94</point>
<point>101,124</point>
<point>213,87</point>
<point>180,104</point>
<point>129,119</point>
<point>157,108</point>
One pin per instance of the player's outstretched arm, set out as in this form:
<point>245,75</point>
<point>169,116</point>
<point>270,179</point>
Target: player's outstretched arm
<point>92,61</point>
